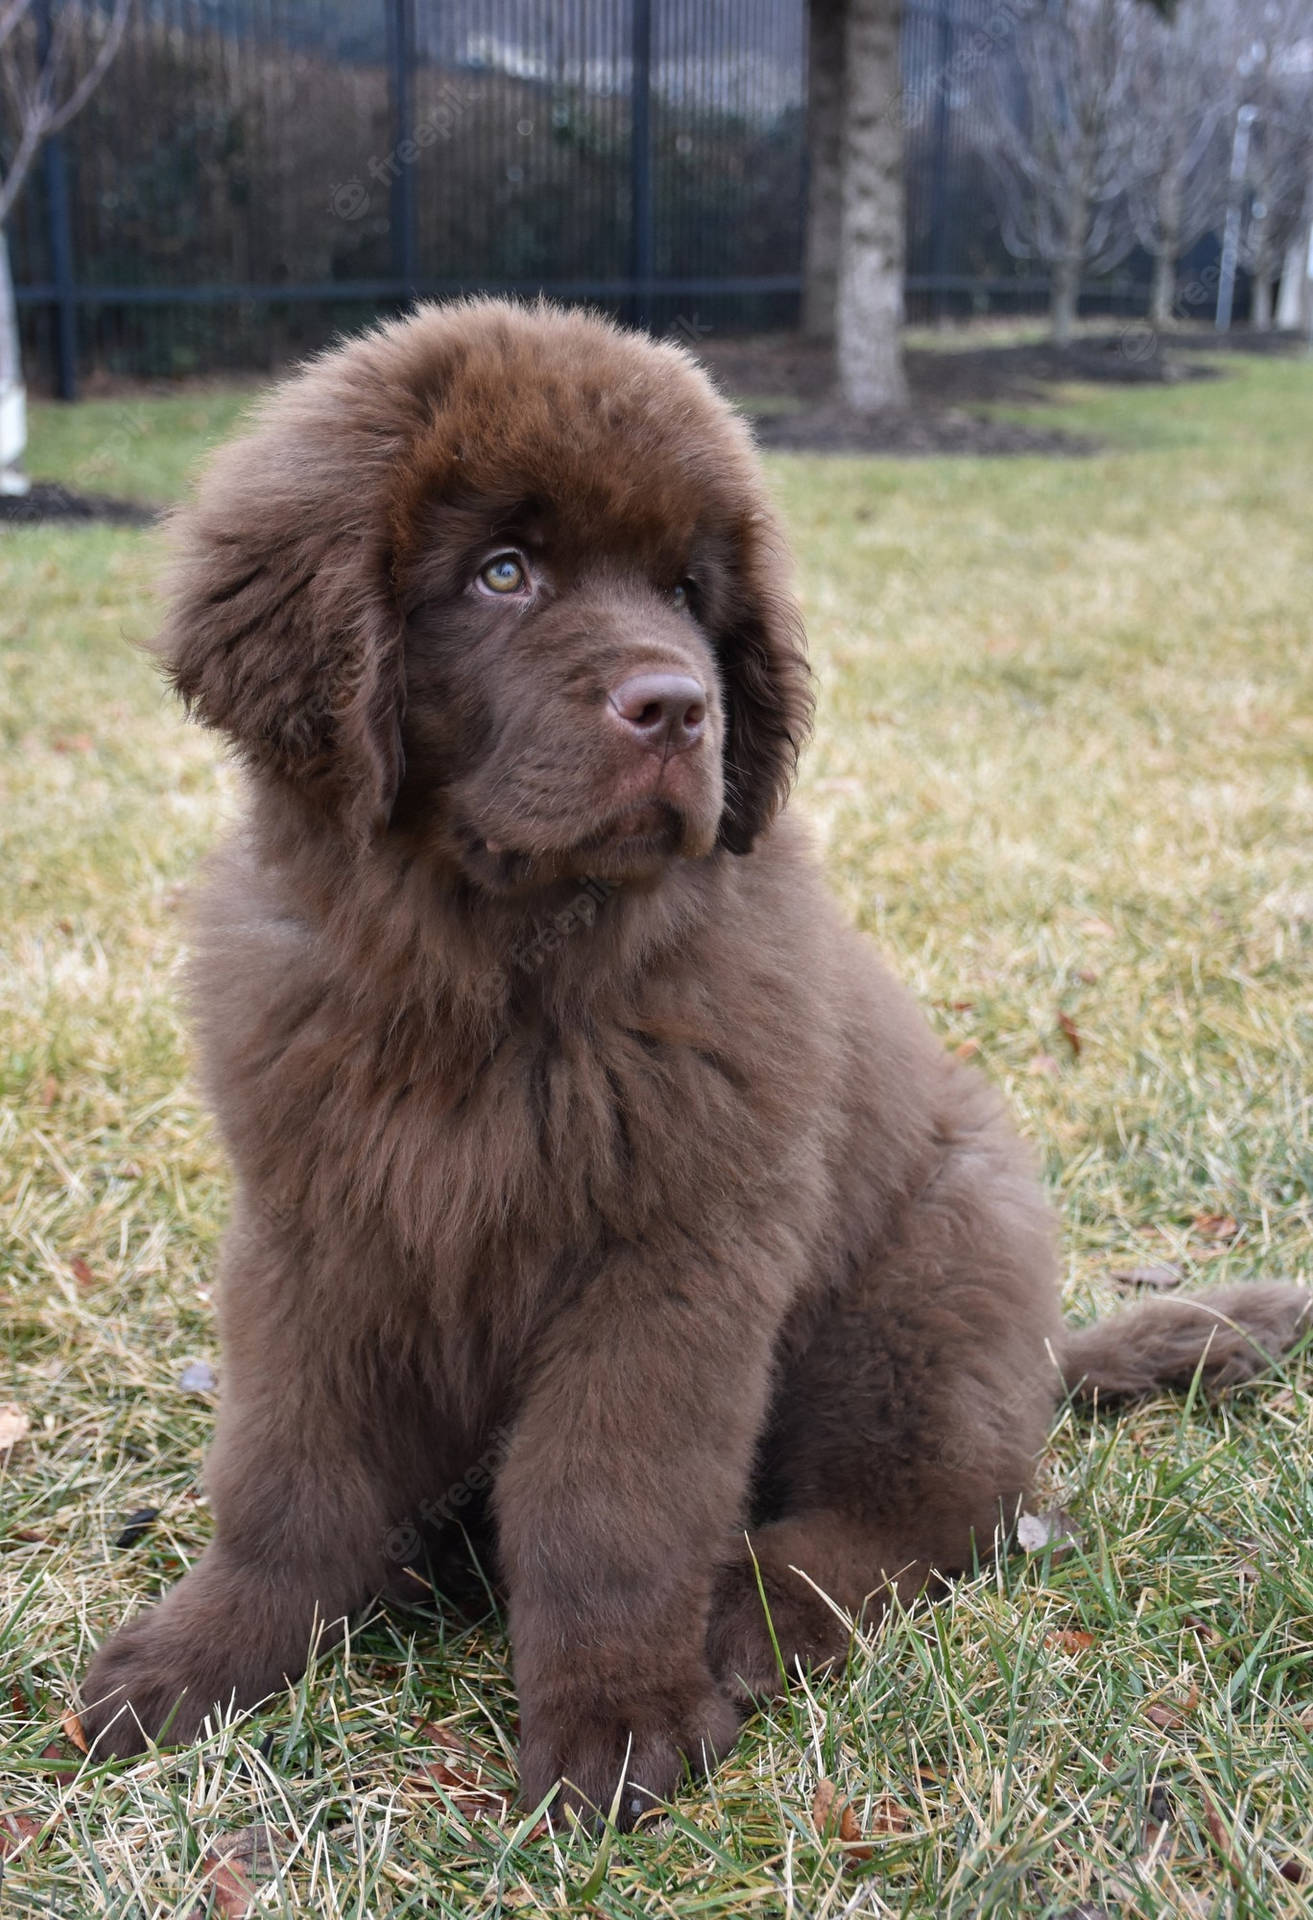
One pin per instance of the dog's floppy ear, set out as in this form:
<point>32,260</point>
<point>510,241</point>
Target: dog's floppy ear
<point>283,633</point>
<point>768,690</point>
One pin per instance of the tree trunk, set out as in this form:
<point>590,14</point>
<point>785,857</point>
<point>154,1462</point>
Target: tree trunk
<point>1260,299</point>
<point>1162,296</point>
<point>824,156</point>
<point>1065,271</point>
<point>1260,281</point>
<point>870,303</point>
<point>1162,293</point>
<point>1064,295</point>
<point>13,396</point>
<point>1292,301</point>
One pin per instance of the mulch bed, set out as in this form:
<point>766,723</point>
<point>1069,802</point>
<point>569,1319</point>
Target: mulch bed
<point>918,429</point>
<point>44,501</point>
<point>946,385</point>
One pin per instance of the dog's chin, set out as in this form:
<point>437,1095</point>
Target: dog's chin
<point>635,843</point>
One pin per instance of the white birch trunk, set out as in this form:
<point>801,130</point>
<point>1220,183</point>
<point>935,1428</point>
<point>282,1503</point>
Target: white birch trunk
<point>13,394</point>
<point>870,298</point>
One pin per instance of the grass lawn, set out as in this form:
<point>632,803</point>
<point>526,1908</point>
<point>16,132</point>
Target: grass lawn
<point>1062,775</point>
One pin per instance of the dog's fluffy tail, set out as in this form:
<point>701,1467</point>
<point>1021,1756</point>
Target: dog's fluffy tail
<point>1229,1335</point>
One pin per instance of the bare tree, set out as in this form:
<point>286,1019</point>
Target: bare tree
<point>1181,101</point>
<point>869,307</point>
<point>825,112</point>
<point>48,72</point>
<point>1057,141</point>
<point>1274,68</point>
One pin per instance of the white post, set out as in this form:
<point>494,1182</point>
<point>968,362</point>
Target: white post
<point>1244,120</point>
<point>13,394</point>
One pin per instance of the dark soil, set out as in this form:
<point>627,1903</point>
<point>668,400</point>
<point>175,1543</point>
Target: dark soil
<point>946,385</point>
<point>44,502</point>
<point>918,429</point>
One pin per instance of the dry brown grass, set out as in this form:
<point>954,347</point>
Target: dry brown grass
<point>1062,771</point>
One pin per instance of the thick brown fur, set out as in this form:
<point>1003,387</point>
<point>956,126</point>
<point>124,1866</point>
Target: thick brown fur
<point>585,1162</point>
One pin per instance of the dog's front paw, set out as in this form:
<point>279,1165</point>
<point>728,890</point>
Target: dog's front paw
<point>591,1747</point>
<point>137,1690</point>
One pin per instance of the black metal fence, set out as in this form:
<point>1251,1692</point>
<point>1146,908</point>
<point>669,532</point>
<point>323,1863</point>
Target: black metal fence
<point>256,175</point>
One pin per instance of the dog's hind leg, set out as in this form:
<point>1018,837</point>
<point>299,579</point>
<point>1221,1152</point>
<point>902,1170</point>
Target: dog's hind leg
<point>908,1415</point>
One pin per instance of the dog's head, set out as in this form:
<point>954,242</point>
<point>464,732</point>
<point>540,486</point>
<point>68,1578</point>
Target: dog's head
<point>504,581</point>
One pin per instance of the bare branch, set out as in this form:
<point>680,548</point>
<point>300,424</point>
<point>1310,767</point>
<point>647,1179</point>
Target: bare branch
<point>10,15</point>
<point>29,145</point>
<point>38,109</point>
<point>96,72</point>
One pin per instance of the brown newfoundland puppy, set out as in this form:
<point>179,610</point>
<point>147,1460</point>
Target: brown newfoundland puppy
<point>581,1152</point>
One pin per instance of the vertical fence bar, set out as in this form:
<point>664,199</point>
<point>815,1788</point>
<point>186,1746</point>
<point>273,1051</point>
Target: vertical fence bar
<point>60,237</point>
<point>401,91</point>
<point>640,161</point>
<point>939,172</point>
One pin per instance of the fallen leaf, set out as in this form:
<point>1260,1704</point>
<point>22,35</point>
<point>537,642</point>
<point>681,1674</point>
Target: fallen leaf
<point>1221,1839</point>
<point>81,1271</point>
<point>834,1819</point>
<point>15,1830</point>
<point>1160,1809</point>
<point>14,1424</point>
<point>63,1769</point>
<point>49,1091</point>
<point>1070,1640</point>
<point>464,1791</point>
<point>459,1773</point>
<point>1043,1063</point>
<point>234,1866</point>
<point>1209,1635</point>
<point>1216,1226</point>
<point>1056,1528</point>
<point>1170,1715</point>
<point>967,1050</point>
<point>888,1815</point>
<point>198,1377</point>
<point>1070,1032</point>
<point>72,1727</point>
<point>1161,1276</point>
<point>136,1527</point>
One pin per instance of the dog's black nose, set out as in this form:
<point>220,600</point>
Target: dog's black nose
<point>664,711</point>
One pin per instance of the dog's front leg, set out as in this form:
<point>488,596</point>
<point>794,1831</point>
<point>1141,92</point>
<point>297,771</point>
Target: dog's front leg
<point>313,1465</point>
<point>626,1474</point>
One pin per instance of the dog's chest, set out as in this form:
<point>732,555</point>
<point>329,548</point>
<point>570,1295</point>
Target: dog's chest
<point>573,1136</point>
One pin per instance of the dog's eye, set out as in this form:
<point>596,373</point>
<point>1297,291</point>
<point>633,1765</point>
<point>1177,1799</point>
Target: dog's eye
<point>504,573</point>
<point>681,596</point>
